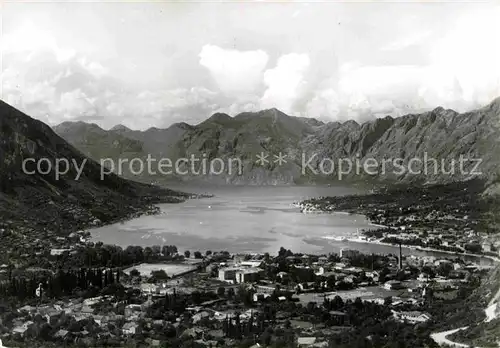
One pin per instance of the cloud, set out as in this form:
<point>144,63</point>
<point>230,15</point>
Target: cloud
<point>363,92</point>
<point>94,68</point>
<point>379,80</point>
<point>469,55</point>
<point>61,91</point>
<point>407,41</point>
<point>75,105</point>
<point>29,38</point>
<point>163,107</point>
<point>235,72</point>
<point>284,82</point>
<point>243,105</point>
<point>363,69</point>
<point>79,88</point>
<point>323,105</point>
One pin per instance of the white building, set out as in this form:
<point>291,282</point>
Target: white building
<point>374,275</point>
<point>251,263</point>
<point>260,295</point>
<point>305,341</point>
<point>248,275</point>
<point>228,274</point>
<point>486,247</point>
<point>129,328</point>
<point>412,317</point>
<point>393,285</point>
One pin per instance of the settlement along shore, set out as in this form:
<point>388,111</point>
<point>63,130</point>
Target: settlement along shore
<point>449,218</point>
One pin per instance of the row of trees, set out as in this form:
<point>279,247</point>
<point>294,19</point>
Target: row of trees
<point>104,255</point>
<point>62,283</point>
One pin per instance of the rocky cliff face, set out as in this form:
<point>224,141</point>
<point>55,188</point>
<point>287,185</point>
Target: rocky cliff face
<point>454,147</point>
<point>439,138</point>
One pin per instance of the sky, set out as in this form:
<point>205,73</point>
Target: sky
<point>151,64</point>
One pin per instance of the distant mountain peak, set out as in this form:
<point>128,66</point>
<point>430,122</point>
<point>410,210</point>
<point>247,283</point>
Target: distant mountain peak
<point>273,110</point>
<point>219,118</point>
<point>495,101</point>
<point>121,128</point>
<point>77,125</point>
<point>494,105</point>
<point>182,125</point>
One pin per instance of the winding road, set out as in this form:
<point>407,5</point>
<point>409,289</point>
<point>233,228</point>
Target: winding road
<point>440,338</point>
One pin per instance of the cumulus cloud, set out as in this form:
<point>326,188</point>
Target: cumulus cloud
<point>249,104</point>
<point>324,105</point>
<point>235,72</point>
<point>163,107</point>
<point>284,82</point>
<point>76,105</point>
<point>94,68</point>
<point>29,38</point>
<point>39,77</point>
<point>407,41</point>
<point>468,55</point>
<point>362,92</point>
<point>457,66</point>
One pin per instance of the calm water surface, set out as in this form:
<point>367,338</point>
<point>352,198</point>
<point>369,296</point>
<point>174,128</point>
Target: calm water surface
<point>238,219</point>
<point>248,219</point>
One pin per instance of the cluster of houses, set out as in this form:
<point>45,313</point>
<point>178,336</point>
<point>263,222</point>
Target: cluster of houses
<point>251,274</point>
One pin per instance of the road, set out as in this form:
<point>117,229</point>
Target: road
<point>495,298</point>
<point>440,338</point>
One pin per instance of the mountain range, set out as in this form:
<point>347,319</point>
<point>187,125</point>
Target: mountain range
<point>309,147</point>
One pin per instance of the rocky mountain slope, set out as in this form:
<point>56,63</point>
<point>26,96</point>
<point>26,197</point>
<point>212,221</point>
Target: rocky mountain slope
<point>91,138</point>
<point>388,146</point>
<point>34,199</point>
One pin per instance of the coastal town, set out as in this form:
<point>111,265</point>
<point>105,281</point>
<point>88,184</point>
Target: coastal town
<point>447,219</point>
<point>223,300</point>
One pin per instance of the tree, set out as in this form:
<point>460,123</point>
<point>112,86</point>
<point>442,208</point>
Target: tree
<point>444,269</point>
<point>197,255</point>
<point>147,253</point>
<point>220,291</point>
<point>156,250</point>
<point>135,273</point>
<point>473,247</point>
<point>337,303</point>
<point>388,301</point>
<point>187,254</point>
<point>159,275</point>
<point>267,258</point>
<point>330,282</point>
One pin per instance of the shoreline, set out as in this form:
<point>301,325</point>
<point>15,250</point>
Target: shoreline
<point>411,247</point>
<point>351,238</point>
<point>357,238</point>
